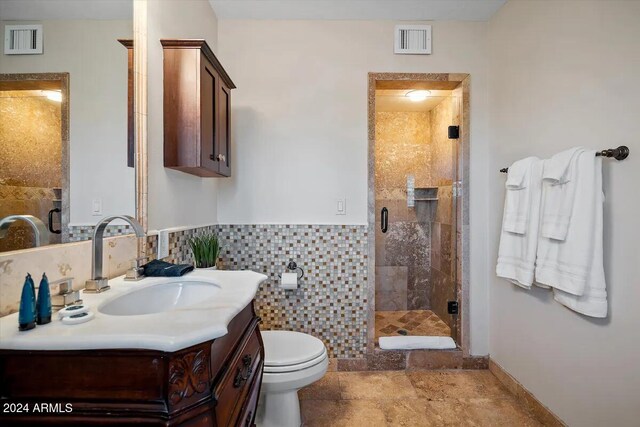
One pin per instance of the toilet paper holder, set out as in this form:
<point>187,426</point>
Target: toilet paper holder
<point>292,266</point>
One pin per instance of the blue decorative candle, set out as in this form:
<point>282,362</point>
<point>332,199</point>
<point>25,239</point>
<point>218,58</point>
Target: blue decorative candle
<point>44,302</point>
<point>27,314</point>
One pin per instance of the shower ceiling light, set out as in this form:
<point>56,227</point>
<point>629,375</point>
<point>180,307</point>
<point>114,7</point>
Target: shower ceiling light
<point>53,95</point>
<point>418,95</point>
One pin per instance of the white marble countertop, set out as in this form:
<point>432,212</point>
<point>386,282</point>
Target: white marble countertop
<point>166,331</point>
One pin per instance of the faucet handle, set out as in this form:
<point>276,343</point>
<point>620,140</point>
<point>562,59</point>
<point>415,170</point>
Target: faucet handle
<point>65,285</point>
<point>137,262</point>
<point>136,272</point>
<point>66,296</point>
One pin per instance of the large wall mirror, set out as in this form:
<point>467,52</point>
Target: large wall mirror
<point>66,127</point>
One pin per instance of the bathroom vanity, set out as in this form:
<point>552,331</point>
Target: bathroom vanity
<point>187,357</point>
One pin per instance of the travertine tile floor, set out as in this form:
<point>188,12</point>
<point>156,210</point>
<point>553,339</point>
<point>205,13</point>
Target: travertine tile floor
<point>414,398</point>
<point>414,322</point>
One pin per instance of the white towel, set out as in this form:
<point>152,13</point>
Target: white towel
<point>593,301</point>
<point>517,252</point>
<point>518,197</point>
<point>566,264</point>
<point>559,186</point>
<point>416,342</point>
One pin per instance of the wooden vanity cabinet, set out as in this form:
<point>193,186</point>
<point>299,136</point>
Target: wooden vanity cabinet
<point>214,383</point>
<point>197,109</point>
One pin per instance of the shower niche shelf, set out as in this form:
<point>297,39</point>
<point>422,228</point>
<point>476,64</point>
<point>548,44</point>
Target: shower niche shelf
<point>425,194</point>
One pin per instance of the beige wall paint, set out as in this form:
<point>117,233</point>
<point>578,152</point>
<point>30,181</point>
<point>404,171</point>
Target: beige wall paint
<point>565,73</point>
<point>175,198</point>
<point>300,123</point>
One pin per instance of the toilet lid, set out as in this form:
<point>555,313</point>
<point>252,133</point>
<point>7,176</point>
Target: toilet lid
<point>286,348</point>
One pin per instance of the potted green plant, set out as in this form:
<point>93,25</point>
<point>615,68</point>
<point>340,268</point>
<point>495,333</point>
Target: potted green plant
<point>205,250</point>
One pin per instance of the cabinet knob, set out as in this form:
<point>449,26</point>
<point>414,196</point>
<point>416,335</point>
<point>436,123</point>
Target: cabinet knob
<point>222,158</point>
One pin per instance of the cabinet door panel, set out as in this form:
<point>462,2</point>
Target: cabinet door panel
<point>224,130</point>
<point>208,85</point>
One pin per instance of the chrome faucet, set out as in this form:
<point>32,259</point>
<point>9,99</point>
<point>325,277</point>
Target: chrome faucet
<point>97,283</point>
<point>40,232</point>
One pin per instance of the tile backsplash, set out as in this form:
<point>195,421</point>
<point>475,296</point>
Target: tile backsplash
<point>79,233</point>
<point>331,301</point>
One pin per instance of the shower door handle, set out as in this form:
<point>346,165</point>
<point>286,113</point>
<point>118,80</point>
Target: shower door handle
<point>50,225</point>
<point>384,220</point>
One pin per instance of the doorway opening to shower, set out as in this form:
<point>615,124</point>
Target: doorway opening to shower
<point>418,127</point>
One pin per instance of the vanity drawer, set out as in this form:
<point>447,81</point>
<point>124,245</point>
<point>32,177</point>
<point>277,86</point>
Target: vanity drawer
<point>223,348</point>
<point>238,380</point>
<point>248,413</point>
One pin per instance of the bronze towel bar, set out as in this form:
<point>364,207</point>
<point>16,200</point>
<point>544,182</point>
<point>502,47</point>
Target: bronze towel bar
<point>619,153</point>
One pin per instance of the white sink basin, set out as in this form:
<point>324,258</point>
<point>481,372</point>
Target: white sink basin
<point>159,298</point>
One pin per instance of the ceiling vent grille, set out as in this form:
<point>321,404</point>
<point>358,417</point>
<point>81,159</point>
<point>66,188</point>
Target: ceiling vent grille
<point>413,39</point>
<point>22,39</point>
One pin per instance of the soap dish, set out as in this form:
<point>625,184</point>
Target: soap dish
<point>73,309</point>
<point>76,319</point>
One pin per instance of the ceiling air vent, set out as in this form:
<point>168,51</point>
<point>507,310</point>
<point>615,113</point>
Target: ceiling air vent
<point>22,39</point>
<point>413,40</point>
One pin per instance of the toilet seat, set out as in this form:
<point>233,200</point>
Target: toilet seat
<point>297,367</point>
<point>288,351</point>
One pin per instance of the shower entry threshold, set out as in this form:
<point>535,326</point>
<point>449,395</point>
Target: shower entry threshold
<point>416,342</point>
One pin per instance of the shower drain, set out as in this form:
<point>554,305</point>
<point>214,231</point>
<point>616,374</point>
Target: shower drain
<point>403,332</point>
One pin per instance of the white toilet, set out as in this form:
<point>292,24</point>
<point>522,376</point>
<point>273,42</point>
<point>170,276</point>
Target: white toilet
<point>293,360</point>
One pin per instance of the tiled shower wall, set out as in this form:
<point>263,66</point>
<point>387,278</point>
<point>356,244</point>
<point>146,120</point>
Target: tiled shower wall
<point>331,301</point>
<point>30,143</point>
<point>403,253</point>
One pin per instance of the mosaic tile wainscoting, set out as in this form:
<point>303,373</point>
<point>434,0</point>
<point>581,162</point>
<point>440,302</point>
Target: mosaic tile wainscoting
<point>331,301</point>
<point>179,251</point>
<point>79,233</point>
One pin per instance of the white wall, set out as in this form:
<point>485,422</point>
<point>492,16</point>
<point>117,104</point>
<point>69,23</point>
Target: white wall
<point>300,122</point>
<point>565,73</point>
<point>97,63</point>
<point>175,198</point>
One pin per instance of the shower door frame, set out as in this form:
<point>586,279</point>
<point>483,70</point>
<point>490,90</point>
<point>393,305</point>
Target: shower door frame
<point>461,153</point>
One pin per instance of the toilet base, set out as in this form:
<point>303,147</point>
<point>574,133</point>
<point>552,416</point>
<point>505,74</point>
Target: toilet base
<point>279,410</point>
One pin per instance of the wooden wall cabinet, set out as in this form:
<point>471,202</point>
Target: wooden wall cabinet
<point>212,384</point>
<point>197,109</point>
